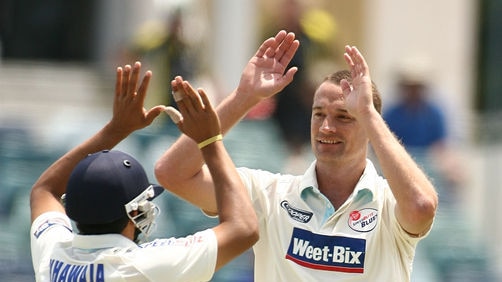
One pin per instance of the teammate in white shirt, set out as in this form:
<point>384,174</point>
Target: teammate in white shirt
<point>108,196</point>
<point>340,221</point>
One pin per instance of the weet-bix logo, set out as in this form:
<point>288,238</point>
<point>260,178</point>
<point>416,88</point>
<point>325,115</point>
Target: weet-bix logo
<point>296,213</point>
<point>331,253</point>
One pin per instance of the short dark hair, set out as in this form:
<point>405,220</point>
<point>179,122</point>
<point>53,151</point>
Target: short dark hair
<point>114,227</point>
<point>336,77</point>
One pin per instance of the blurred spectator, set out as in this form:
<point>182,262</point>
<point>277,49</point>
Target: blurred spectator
<point>161,43</point>
<point>292,107</point>
<point>417,121</point>
<point>294,103</point>
<point>420,123</point>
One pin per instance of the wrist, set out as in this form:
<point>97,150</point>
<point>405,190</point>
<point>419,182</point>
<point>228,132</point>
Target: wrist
<point>210,140</point>
<point>115,132</point>
<point>247,96</point>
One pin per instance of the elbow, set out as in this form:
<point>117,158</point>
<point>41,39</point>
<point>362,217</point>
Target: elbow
<point>165,174</point>
<point>254,235</point>
<point>424,210</point>
<point>427,208</point>
<point>250,233</point>
<point>416,217</point>
<point>430,205</point>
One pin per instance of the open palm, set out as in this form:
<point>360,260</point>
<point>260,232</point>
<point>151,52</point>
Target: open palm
<point>265,74</point>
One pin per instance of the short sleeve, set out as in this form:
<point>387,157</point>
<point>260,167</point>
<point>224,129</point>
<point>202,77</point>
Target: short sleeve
<point>47,230</point>
<point>191,258</point>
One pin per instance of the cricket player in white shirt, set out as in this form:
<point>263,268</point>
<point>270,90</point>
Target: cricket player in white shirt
<point>108,196</point>
<point>340,220</point>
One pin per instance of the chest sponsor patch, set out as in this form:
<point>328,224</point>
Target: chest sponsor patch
<point>323,252</point>
<point>296,213</point>
<point>363,220</point>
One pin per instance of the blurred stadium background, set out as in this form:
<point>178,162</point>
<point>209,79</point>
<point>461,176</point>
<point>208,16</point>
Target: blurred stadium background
<point>57,68</point>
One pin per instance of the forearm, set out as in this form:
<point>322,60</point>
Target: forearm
<point>238,228</point>
<point>415,195</point>
<point>183,160</point>
<point>52,182</point>
<point>231,196</point>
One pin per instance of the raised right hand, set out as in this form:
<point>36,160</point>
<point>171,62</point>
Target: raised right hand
<point>197,118</point>
<point>265,74</point>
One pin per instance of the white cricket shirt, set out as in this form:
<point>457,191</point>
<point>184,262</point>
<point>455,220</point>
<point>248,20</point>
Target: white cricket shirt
<point>302,237</point>
<point>60,255</point>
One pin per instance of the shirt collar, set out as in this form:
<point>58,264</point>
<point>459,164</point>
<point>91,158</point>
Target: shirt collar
<point>102,241</point>
<point>365,186</point>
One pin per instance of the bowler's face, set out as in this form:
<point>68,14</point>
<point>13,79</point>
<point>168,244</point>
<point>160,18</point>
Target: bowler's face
<point>336,136</point>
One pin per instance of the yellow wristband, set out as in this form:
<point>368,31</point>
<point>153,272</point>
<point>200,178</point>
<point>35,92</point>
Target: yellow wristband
<point>210,140</point>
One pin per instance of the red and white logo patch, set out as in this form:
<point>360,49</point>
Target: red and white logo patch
<point>363,220</point>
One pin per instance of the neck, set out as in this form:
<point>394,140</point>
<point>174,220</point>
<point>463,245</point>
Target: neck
<point>129,230</point>
<point>338,182</point>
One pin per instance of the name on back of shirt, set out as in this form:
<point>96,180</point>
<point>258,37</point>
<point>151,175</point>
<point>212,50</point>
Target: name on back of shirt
<point>61,271</point>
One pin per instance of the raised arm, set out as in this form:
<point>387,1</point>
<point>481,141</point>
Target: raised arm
<point>181,169</point>
<point>415,195</point>
<point>238,228</point>
<point>128,116</point>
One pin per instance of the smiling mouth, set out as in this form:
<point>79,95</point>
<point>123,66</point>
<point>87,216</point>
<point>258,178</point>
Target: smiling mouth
<point>322,141</point>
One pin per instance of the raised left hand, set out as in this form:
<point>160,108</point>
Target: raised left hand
<point>129,113</point>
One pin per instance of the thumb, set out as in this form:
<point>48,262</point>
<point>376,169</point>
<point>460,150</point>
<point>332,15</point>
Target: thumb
<point>174,114</point>
<point>288,76</point>
<point>346,87</point>
<point>154,112</point>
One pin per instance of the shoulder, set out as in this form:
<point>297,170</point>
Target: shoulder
<point>200,238</point>
<point>190,258</point>
<point>264,175</point>
<point>49,221</point>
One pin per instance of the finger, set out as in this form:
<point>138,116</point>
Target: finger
<point>263,47</point>
<point>205,100</point>
<point>174,114</point>
<point>352,52</point>
<point>118,82</point>
<point>274,43</point>
<point>360,62</point>
<point>349,62</point>
<point>177,95</point>
<point>177,86</point>
<point>290,53</point>
<point>284,45</point>
<point>348,56</point>
<point>193,103</point>
<point>154,113</point>
<point>133,82</point>
<point>144,86</point>
<point>346,88</point>
<point>288,77</point>
<point>125,79</point>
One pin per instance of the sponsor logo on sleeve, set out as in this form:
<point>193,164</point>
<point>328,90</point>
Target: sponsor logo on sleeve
<point>363,220</point>
<point>323,252</point>
<point>296,213</point>
<point>47,224</point>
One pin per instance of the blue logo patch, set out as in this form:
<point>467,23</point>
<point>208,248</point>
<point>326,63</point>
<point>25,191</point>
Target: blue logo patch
<point>331,253</point>
<point>49,223</point>
<point>296,213</point>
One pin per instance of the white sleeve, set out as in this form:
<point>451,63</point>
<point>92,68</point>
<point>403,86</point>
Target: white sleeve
<point>47,230</point>
<point>191,258</point>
